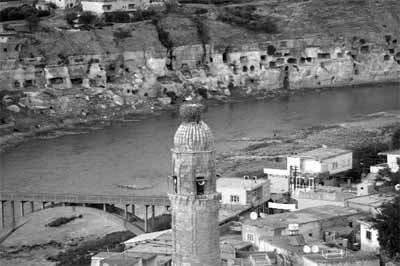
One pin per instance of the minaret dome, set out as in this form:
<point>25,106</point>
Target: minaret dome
<point>193,134</point>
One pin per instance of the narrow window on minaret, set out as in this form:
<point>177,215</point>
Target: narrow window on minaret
<point>200,182</point>
<point>175,183</point>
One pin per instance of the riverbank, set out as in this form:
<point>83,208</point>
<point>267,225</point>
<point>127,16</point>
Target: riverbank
<point>256,154</point>
<point>39,126</point>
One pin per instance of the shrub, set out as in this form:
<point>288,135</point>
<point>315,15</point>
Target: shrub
<point>395,141</point>
<point>87,18</point>
<point>70,17</point>
<point>22,12</point>
<point>52,5</point>
<point>245,17</point>
<point>117,17</point>
<point>122,33</point>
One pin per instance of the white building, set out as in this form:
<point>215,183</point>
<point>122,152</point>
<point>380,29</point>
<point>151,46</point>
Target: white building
<point>63,4</point>
<point>104,6</point>
<point>308,165</point>
<point>392,158</point>
<point>243,191</point>
<point>368,237</point>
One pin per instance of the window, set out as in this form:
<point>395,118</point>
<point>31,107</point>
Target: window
<point>334,165</point>
<point>175,183</point>
<point>107,7</point>
<point>200,182</point>
<point>131,6</point>
<point>368,234</point>
<point>234,198</point>
<point>250,237</point>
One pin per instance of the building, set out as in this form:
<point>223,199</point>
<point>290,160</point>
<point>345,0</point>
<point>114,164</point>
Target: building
<point>311,222</point>
<point>309,169</point>
<point>370,203</point>
<point>104,6</point>
<point>64,4</point>
<point>194,198</point>
<point>243,191</point>
<point>368,237</point>
<point>392,162</point>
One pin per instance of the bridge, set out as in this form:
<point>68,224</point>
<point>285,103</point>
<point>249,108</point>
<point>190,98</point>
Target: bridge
<point>70,198</point>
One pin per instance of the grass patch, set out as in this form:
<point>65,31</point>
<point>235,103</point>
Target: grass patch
<point>247,18</point>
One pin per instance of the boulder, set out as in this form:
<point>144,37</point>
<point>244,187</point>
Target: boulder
<point>14,108</point>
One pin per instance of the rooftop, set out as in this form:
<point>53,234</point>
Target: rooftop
<point>322,153</point>
<point>240,182</point>
<point>394,152</point>
<point>282,220</point>
<point>373,200</point>
<point>349,257</point>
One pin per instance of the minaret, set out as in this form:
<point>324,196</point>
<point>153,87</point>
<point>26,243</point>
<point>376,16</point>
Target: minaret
<point>194,200</point>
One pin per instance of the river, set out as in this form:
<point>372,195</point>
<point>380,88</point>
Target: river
<point>138,152</point>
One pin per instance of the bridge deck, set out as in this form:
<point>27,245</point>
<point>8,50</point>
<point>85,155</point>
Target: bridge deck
<point>84,198</point>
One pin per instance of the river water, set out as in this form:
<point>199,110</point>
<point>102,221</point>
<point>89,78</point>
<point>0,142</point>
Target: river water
<point>139,152</point>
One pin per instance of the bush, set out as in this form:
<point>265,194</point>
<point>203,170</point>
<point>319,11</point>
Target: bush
<point>87,18</point>
<point>70,17</point>
<point>395,141</point>
<point>122,33</point>
<point>117,17</point>
<point>245,17</point>
<point>22,12</point>
<point>52,5</point>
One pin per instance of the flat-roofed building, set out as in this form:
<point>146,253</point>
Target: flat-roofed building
<point>311,222</point>
<point>105,6</point>
<point>243,191</point>
<point>311,168</point>
<point>63,4</point>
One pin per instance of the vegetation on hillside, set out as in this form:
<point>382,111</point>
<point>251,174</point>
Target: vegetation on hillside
<point>245,16</point>
<point>20,13</point>
<point>388,226</point>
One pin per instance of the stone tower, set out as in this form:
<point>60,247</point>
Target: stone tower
<point>193,195</point>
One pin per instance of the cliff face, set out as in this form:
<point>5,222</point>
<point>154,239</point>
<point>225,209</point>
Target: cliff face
<point>320,43</point>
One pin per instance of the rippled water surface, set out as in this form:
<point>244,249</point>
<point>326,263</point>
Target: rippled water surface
<point>139,152</point>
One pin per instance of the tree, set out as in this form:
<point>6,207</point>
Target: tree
<point>87,18</point>
<point>388,226</point>
<point>32,21</point>
<point>70,17</point>
<point>396,139</point>
<point>388,176</point>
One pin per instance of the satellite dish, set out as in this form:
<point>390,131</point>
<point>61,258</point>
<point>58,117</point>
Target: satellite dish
<point>307,249</point>
<point>253,215</point>
<point>397,187</point>
<point>246,177</point>
<point>315,249</point>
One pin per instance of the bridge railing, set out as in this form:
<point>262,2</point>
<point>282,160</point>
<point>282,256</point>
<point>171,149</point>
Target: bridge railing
<point>84,198</point>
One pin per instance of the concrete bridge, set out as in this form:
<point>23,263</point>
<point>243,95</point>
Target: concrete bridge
<point>83,199</point>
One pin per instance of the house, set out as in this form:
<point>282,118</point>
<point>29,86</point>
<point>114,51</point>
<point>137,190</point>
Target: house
<point>311,222</point>
<point>243,191</point>
<point>368,237</point>
<point>369,203</point>
<point>104,6</point>
<point>392,162</point>
<point>64,4</point>
<point>311,168</point>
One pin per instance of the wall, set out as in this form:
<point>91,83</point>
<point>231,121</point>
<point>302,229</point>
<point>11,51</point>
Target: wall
<point>227,192</point>
<point>115,5</point>
<point>344,162</point>
<point>63,4</point>
<point>343,262</point>
<point>279,183</point>
<point>369,245</point>
<point>392,162</point>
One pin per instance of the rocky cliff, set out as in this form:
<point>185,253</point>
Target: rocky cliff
<point>317,43</point>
